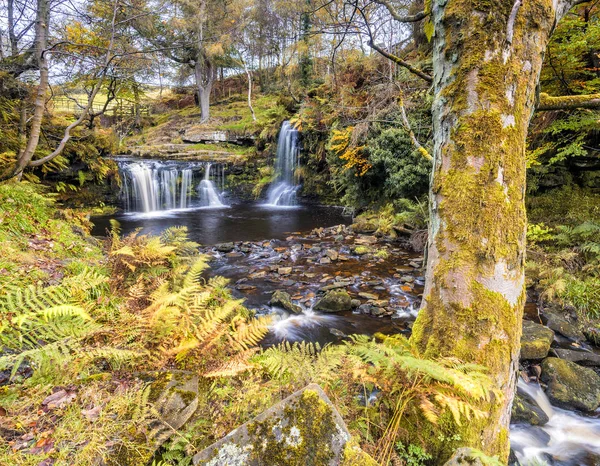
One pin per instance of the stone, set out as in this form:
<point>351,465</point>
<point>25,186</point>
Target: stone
<point>243,287</point>
<point>194,135</point>
<point>558,322</point>
<point>364,227</point>
<point>535,340</point>
<point>334,301</point>
<point>377,311</point>
<point>366,240</point>
<point>585,358</point>
<point>325,260</point>
<point>414,264</point>
<point>592,334</point>
<point>332,254</point>
<point>571,386</point>
<point>362,250</point>
<point>365,295</point>
<point>305,428</point>
<point>464,456</point>
<point>283,300</point>
<point>174,395</point>
<point>355,303</point>
<point>284,270</point>
<point>526,410</point>
<point>225,247</point>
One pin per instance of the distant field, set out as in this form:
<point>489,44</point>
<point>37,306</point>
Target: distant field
<point>71,104</point>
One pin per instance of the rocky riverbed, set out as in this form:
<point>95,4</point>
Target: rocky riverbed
<point>325,284</point>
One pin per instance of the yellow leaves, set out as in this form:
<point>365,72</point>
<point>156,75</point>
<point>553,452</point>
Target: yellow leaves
<point>341,144</point>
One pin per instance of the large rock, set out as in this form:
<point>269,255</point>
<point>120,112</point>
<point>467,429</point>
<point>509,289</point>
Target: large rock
<point>535,341</point>
<point>585,358</point>
<point>284,300</point>
<point>303,429</point>
<point>525,409</point>
<point>174,398</point>
<point>562,322</point>
<point>195,135</point>
<point>571,386</point>
<point>334,301</point>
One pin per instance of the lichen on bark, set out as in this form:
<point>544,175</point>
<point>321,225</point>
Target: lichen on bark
<point>487,59</point>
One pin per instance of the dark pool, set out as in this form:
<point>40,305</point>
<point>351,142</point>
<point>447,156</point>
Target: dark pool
<point>239,222</point>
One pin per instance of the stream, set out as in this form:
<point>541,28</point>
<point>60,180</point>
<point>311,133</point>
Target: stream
<point>280,244</point>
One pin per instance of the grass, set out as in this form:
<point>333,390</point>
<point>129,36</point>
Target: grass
<point>223,147</point>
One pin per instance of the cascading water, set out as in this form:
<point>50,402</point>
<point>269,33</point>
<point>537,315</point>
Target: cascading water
<point>568,439</point>
<point>283,191</point>
<point>150,185</point>
<point>209,197</point>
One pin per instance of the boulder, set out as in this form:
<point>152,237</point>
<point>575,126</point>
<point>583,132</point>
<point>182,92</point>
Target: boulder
<point>525,409</point>
<point>571,386</point>
<point>305,428</point>
<point>559,322</point>
<point>585,358</point>
<point>535,340</point>
<point>334,301</point>
<point>364,227</point>
<point>225,247</point>
<point>284,300</point>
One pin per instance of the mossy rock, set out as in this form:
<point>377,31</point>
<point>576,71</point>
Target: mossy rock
<point>174,396</point>
<point>284,300</point>
<point>305,429</point>
<point>571,386</point>
<point>334,301</point>
<point>526,410</point>
<point>364,226</point>
<point>535,340</point>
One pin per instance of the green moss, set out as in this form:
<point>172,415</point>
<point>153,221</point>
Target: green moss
<point>354,456</point>
<point>302,436</point>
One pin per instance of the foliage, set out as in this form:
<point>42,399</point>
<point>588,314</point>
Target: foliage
<point>414,455</point>
<point>409,382</point>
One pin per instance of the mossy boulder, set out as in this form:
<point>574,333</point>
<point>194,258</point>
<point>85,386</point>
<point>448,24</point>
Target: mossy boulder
<point>334,301</point>
<point>526,410</point>
<point>304,429</point>
<point>364,226</point>
<point>535,340</point>
<point>284,300</point>
<point>571,386</point>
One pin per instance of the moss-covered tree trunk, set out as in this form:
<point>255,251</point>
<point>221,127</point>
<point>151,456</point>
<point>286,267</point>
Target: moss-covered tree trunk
<point>487,59</point>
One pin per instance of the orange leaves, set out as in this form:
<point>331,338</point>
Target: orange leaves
<point>354,156</point>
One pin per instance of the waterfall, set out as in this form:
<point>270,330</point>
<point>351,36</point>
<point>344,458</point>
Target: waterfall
<point>567,439</point>
<point>209,196</point>
<point>283,191</point>
<point>150,185</point>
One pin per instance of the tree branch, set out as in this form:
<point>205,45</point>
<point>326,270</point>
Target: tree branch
<point>569,102</point>
<point>400,62</point>
<point>398,17</point>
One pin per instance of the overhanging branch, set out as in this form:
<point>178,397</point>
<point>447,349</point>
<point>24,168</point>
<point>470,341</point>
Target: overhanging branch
<point>400,18</point>
<point>569,102</point>
<point>400,62</point>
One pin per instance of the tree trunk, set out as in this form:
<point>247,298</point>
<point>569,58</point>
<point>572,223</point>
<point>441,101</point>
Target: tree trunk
<point>487,59</point>
<point>41,42</point>
<point>205,73</point>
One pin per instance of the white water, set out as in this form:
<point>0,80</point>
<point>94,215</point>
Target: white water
<point>296,327</point>
<point>567,439</point>
<point>283,191</point>
<point>209,196</point>
<point>153,187</point>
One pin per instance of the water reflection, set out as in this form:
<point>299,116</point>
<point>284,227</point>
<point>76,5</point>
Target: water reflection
<point>240,222</point>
